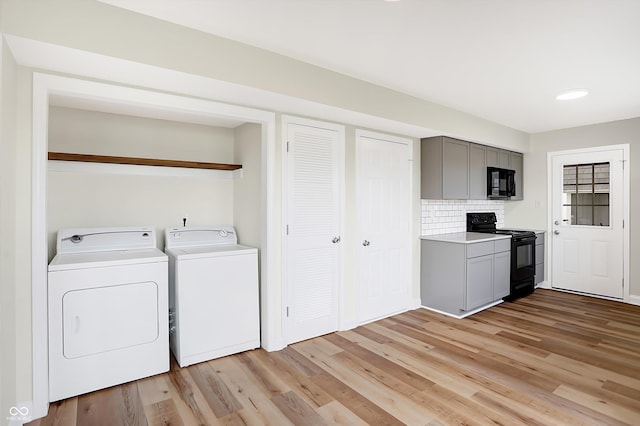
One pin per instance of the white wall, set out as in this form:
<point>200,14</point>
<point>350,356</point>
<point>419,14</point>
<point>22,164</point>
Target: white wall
<point>115,32</point>
<point>247,190</point>
<point>8,396</point>
<point>79,199</point>
<point>532,211</point>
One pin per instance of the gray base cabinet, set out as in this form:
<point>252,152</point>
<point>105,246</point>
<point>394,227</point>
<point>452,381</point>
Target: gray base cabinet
<point>461,277</point>
<point>502,274</point>
<point>539,257</point>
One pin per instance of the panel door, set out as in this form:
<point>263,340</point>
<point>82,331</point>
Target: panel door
<point>515,163</point>
<point>501,274</point>
<point>479,281</point>
<point>455,169</point>
<point>503,159</point>
<point>384,216</point>
<point>477,172</point>
<point>314,181</point>
<point>587,233</point>
<point>492,157</point>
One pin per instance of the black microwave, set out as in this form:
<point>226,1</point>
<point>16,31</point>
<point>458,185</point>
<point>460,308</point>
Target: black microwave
<point>501,183</point>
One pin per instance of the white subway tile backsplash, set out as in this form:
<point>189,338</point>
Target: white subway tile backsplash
<point>448,216</point>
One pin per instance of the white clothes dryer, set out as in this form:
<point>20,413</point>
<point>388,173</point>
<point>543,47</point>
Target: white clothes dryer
<point>108,309</point>
<point>213,293</point>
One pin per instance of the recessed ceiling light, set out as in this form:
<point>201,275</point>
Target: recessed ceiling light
<point>572,94</point>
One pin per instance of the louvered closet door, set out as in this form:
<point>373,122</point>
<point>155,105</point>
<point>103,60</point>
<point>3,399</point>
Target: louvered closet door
<point>313,237</point>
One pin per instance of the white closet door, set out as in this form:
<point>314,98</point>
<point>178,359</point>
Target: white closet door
<point>314,181</point>
<point>384,215</point>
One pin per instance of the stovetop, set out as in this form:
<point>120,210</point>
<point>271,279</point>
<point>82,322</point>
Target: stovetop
<point>486,222</point>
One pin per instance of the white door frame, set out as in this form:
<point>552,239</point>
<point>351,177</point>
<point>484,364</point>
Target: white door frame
<point>45,85</point>
<point>404,141</point>
<point>286,120</point>
<point>627,297</point>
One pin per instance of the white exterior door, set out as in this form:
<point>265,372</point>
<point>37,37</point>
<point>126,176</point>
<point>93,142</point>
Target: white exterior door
<point>587,222</point>
<point>383,181</point>
<point>313,227</point>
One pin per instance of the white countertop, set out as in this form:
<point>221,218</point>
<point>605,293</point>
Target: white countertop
<point>465,237</point>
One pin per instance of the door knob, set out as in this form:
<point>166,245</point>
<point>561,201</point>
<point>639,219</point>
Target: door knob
<point>556,232</point>
<point>335,240</point>
<point>365,243</point>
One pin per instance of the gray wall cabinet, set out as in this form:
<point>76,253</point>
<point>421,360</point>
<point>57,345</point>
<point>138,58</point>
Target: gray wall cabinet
<point>515,163</point>
<point>477,172</point>
<point>445,169</point>
<point>454,169</point>
<point>460,277</point>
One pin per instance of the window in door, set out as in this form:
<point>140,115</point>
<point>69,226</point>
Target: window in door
<point>585,197</point>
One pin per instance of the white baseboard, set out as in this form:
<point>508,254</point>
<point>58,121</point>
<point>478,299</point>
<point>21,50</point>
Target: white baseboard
<point>348,324</point>
<point>633,299</point>
<point>416,303</point>
<point>274,345</point>
<point>466,314</point>
<point>544,284</point>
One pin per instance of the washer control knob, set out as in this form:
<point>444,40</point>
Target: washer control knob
<point>223,233</point>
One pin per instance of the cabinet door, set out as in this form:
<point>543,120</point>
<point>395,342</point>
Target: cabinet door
<point>477,172</point>
<point>515,163</point>
<point>539,260</point>
<point>501,275</point>
<point>503,159</point>
<point>492,158</point>
<point>479,282</point>
<point>455,169</point>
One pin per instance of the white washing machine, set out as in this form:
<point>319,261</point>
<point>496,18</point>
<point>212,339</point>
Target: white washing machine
<point>108,309</point>
<point>213,293</point>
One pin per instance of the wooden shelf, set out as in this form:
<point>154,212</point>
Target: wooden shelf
<point>88,158</point>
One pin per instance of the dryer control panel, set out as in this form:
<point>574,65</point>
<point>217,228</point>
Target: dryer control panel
<point>89,240</point>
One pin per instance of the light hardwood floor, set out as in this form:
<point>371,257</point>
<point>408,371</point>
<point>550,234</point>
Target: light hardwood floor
<point>549,359</point>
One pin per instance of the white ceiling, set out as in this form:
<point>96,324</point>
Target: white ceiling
<point>503,60</point>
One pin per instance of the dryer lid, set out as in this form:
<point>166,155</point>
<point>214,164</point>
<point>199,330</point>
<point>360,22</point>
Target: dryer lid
<point>72,261</point>
<point>190,236</point>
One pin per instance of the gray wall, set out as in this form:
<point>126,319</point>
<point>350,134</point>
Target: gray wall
<point>532,211</point>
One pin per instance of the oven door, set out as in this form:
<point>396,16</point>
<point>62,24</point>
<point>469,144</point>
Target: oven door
<point>523,258</point>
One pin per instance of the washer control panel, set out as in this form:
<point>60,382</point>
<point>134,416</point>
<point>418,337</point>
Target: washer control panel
<point>200,236</point>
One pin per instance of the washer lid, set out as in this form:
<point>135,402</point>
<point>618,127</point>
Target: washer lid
<point>66,262</point>
<point>197,252</point>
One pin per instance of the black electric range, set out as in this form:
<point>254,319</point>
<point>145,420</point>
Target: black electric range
<point>523,253</point>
